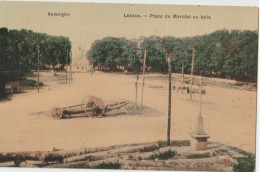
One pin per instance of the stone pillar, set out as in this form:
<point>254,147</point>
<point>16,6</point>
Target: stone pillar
<point>199,135</point>
<point>201,141</point>
<point>200,126</point>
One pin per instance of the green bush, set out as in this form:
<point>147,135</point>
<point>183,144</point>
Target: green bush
<point>109,165</point>
<point>166,155</point>
<point>163,156</point>
<point>152,157</point>
<point>244,164</point>
<point>162,143</point>
<point>27,82</point>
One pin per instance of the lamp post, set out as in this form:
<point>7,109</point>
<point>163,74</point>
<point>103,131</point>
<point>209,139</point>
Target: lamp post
<point>169,53</point>
<point>66,65</point>
<point>169,101</point>
<point>70,77</point>
<point>136,89</point>
<point>38,80</point>
<point>144,66</point>
<point>192,68</point>
<point>182,74</point>
<point>38,67</point>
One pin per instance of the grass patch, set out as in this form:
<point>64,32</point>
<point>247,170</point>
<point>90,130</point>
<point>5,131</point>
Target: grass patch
<point>162,143</point>
<point>109,165</point>
<point>163,155</point>
<point>244,164</point>
<point>178,143</point>
<point>27,83</point>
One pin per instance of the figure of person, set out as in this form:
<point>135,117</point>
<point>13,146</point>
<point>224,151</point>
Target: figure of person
<point>92,70</point>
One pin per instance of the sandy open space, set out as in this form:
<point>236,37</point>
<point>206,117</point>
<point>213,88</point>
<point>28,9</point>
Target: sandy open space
<point>229,114</point>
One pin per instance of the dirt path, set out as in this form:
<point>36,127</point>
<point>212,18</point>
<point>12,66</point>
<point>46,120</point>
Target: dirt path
<point>229,115</point>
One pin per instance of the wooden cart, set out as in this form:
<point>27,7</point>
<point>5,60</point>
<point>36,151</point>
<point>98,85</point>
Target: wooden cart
<point>90,107</point>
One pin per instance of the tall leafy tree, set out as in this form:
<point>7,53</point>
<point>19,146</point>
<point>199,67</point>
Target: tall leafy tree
<point>19,51</point>
<point>110,53</point>
<point>223,53</point>
<point>155,60</point>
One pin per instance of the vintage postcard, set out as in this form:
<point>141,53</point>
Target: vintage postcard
<point>128,86</point>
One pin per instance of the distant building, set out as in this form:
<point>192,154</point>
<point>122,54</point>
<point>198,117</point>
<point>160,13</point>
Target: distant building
<point>81,64</point>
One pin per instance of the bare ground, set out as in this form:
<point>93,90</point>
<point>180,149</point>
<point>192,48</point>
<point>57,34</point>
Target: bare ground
<point>229,114</point>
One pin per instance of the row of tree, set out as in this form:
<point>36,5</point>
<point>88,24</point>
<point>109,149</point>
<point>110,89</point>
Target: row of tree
<point>226,54</point>
<point>23,50</point>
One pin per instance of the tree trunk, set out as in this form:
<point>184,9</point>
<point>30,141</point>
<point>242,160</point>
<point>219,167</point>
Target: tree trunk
<point>105,155</point>
<point>2,87</point>
<point>18,157</point>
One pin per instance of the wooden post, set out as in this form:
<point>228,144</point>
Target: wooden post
<point>143,79</point>
<point>70,66</point>
<point>182,73</point>
<point>169,102</point>
<point>38,85</point>
<point>192,68</point>
<point>66,65</point>
<point>136,88</point>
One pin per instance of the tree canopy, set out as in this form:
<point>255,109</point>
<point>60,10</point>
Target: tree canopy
<point>19,50</point>
<point>223,53</point>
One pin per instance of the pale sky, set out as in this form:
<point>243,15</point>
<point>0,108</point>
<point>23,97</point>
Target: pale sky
<point>88,21</point>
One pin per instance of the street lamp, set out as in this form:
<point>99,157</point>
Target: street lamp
<point>38,68</point>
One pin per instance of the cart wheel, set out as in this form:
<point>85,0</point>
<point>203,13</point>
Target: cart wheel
<point>57,112</point>
<point>85,100</point>
<point>87,106</point>
<point>96,111</point>
<point>88,111</point>
<point>94,106</point>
